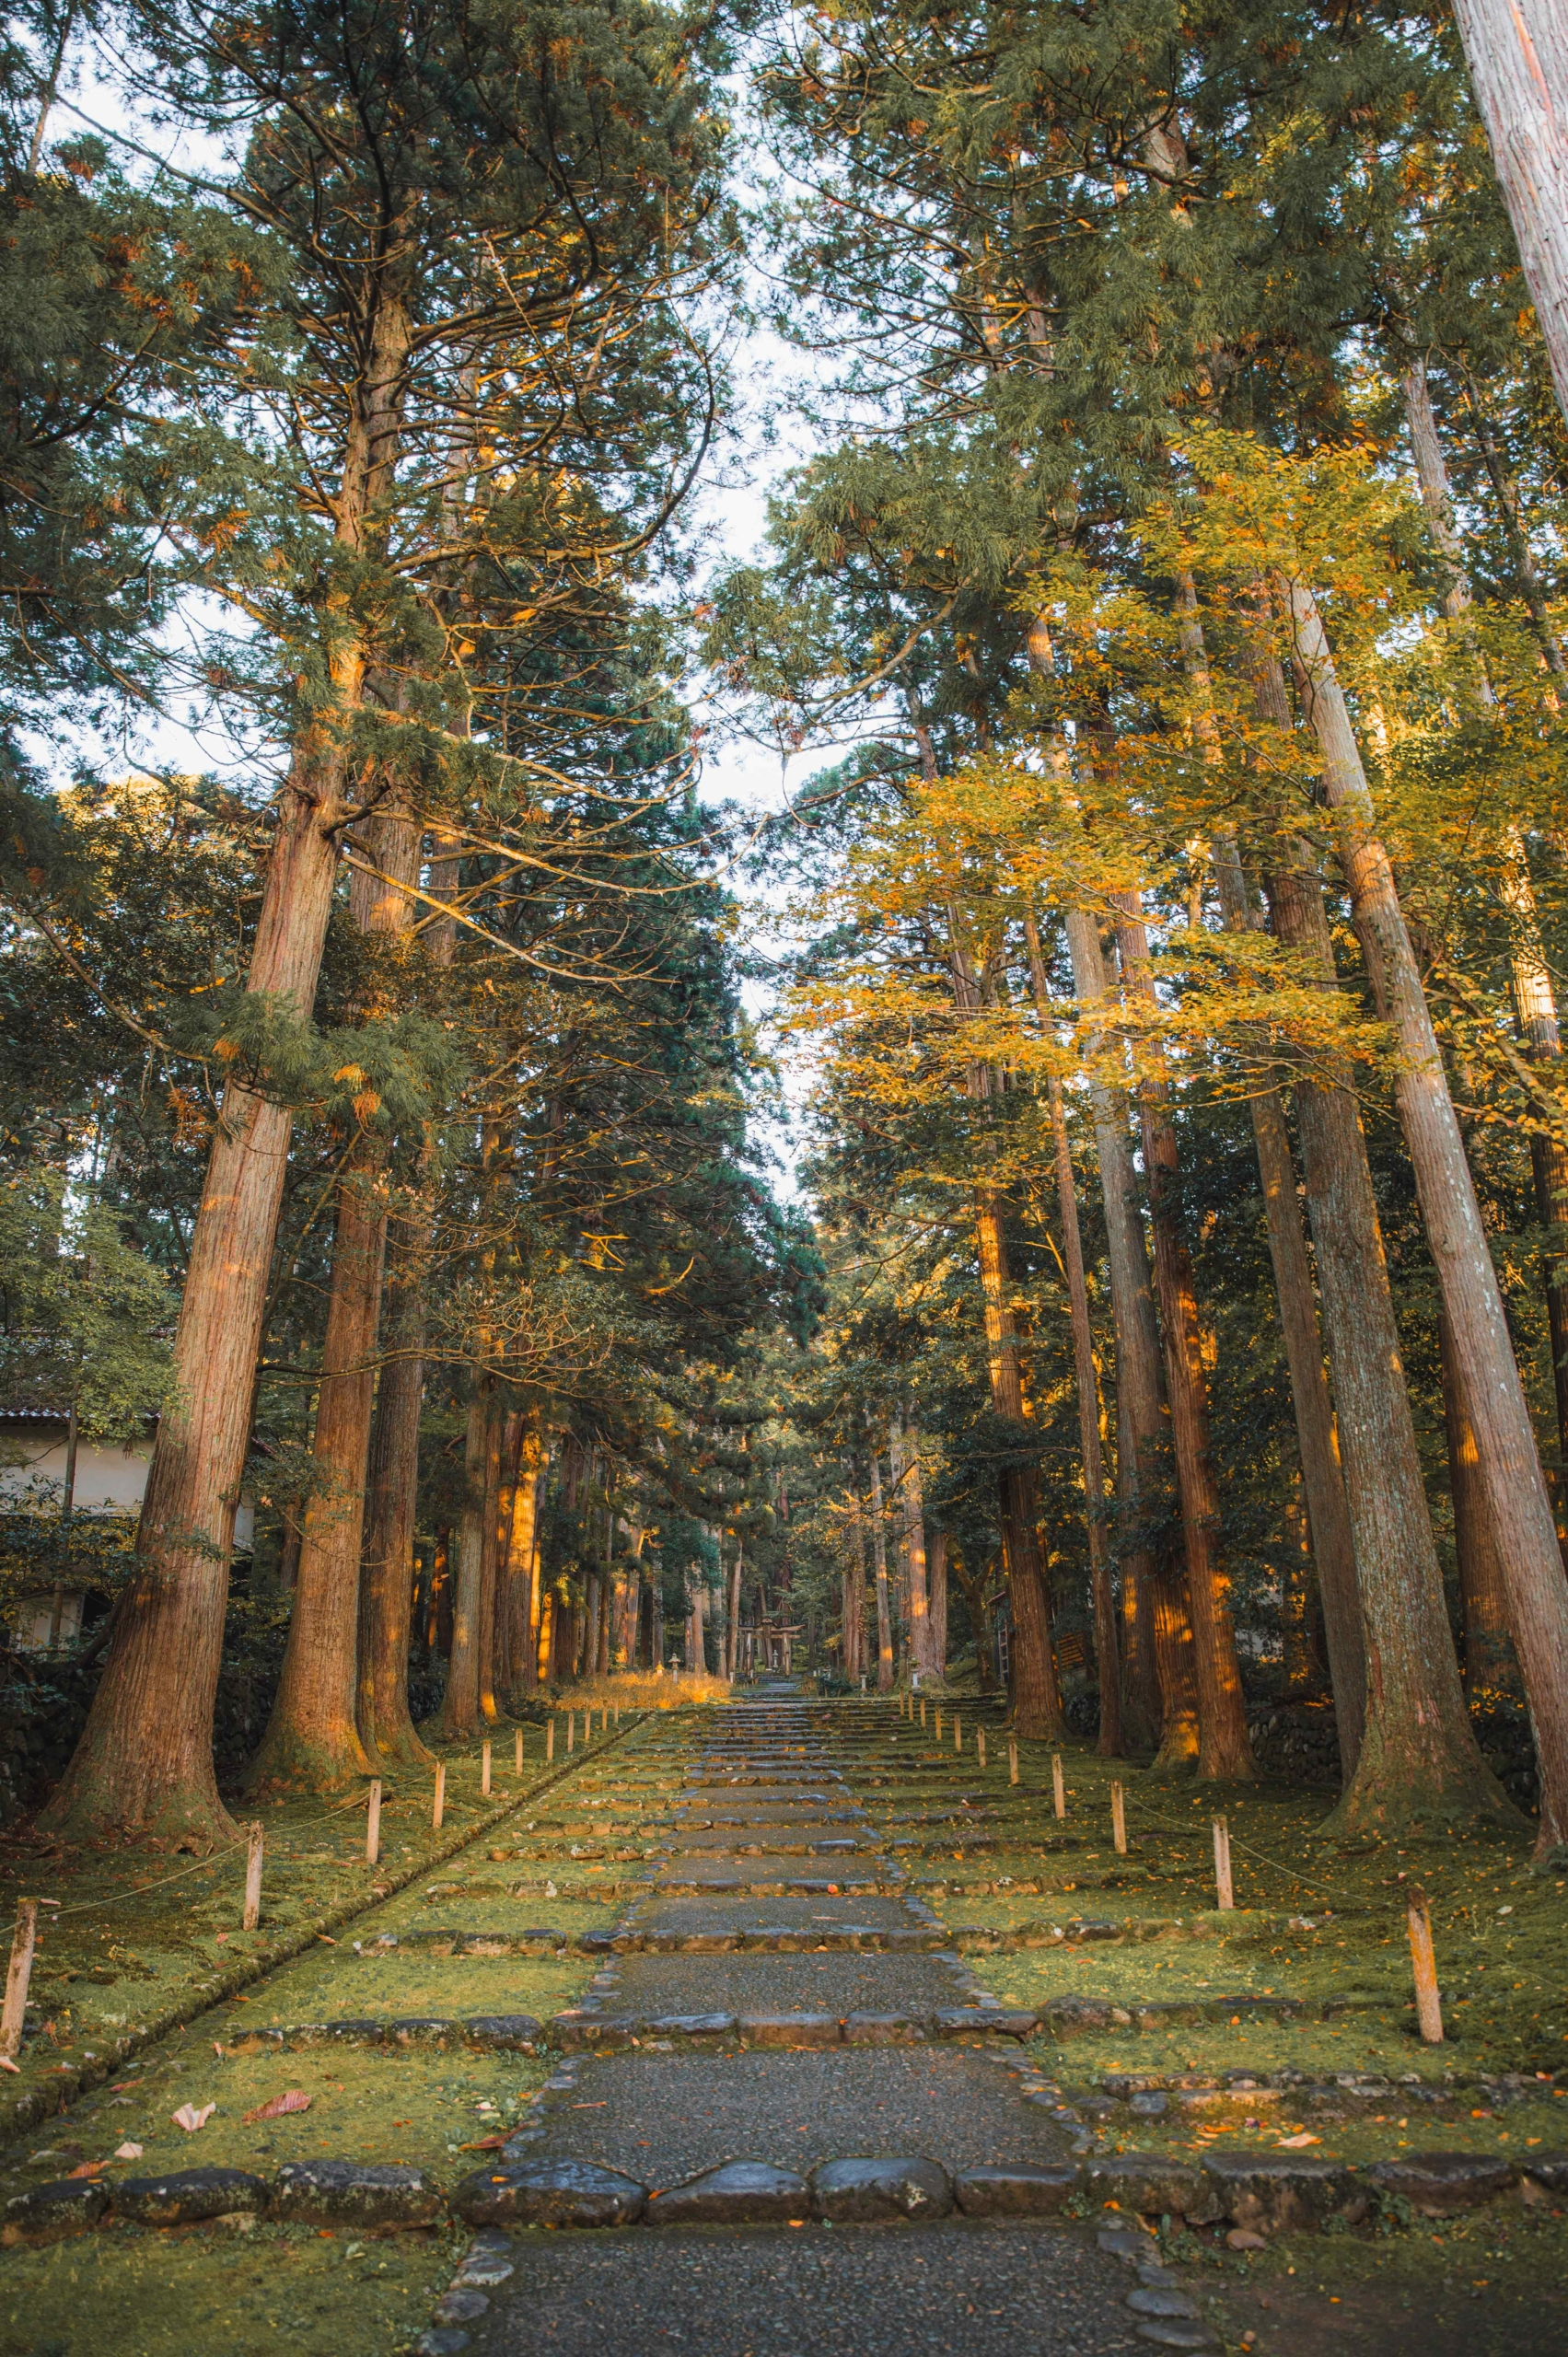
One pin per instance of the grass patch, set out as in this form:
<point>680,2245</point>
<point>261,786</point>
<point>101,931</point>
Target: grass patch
<point>161,2295</point>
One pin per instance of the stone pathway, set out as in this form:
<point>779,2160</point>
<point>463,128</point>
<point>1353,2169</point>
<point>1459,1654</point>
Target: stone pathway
<point>784,2073</point>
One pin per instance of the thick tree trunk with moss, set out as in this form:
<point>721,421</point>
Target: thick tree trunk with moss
<point>312,1739</point>
<point>143,1763</point>
<point>1510,1471</point>
<point>1157,1713</point>
<point>1417,1754</point>
<point>1490,1666</point>
<point>306,1743</point>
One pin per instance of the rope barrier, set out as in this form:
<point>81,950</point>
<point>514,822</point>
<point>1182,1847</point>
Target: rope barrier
<point>58,1915</point>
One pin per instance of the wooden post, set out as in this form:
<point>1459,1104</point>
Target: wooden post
<point>922,1709</point>
<point>618,1715</point>
<point>938,1726</point>
<point>484,1769</point>
<point>254,1877</point>
<point>1058,1784</point>
<point>571,1730</point>
<point>1428,2006</point>
<point>1118,1819</point>
<point>550,1741</point>
<point>519,1762</point>
<point>1011,1758</point>
<point>373,1823</point>
<point>957,1733</point>
<point>17,1978</point>
<point>438,1808</point>
<point>1225,1896</point>
<point>980,1745</point>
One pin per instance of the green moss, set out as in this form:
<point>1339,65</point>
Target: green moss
<point>228,2294</point>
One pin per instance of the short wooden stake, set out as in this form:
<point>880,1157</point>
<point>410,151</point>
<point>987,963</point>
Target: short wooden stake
<point>938,1726</point>
<point>438,1807</point>
<point>618,1715</point>
<point>20,1972</point>
<point>550,1741</point>
<point>1011,1758</point>
<point>957,1733</point>
<point>1118,1819</point>
<point>484,1769</point>
<point>980,1745</point>
<point>373,1824</point>
<point>1058,1784</point>
<point>571,1730</point>
<point>1223,1891</point>
<point>1428,2005</point>
<point>254,1877</point>
<point>519,1769</point>
<point>922,1709</point>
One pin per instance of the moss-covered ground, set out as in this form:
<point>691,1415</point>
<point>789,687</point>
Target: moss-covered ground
<point>128,1938</point>
<point>1492,2283</point>
<point>139,1936</point>
<point>227,2294</point>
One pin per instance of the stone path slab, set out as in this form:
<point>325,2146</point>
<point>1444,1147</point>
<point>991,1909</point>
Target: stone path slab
<point>983,2291</point>
<point>839,1984</point>
<point>792,2108</point>
<point>806,1913</point>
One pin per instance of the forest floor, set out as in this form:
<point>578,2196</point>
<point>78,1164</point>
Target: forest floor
<point>784,1878</point>
<point>130,1941</point>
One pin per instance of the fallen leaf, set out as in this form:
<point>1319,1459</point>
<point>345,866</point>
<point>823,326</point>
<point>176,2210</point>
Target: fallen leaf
<point>88,2169</point>
<point>190,2119</point>
<point>128,2152</point>
<point>292,2099</point>
<point>485,2144</point>
<point>325,1941</point>
<point>1294,2143</point>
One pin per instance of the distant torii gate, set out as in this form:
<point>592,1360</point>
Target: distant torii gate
<point>769,1644</point>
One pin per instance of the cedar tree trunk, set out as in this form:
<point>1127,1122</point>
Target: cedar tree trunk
<point>1328,1512</point>
<point>1110,1744</point>
<point>1517,52</point>
<point>1156,1711</point>
<point>1225,1749</point>
<point>1510,1471</point>
<point>1418,1754</point>
<point>879,1556</point>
